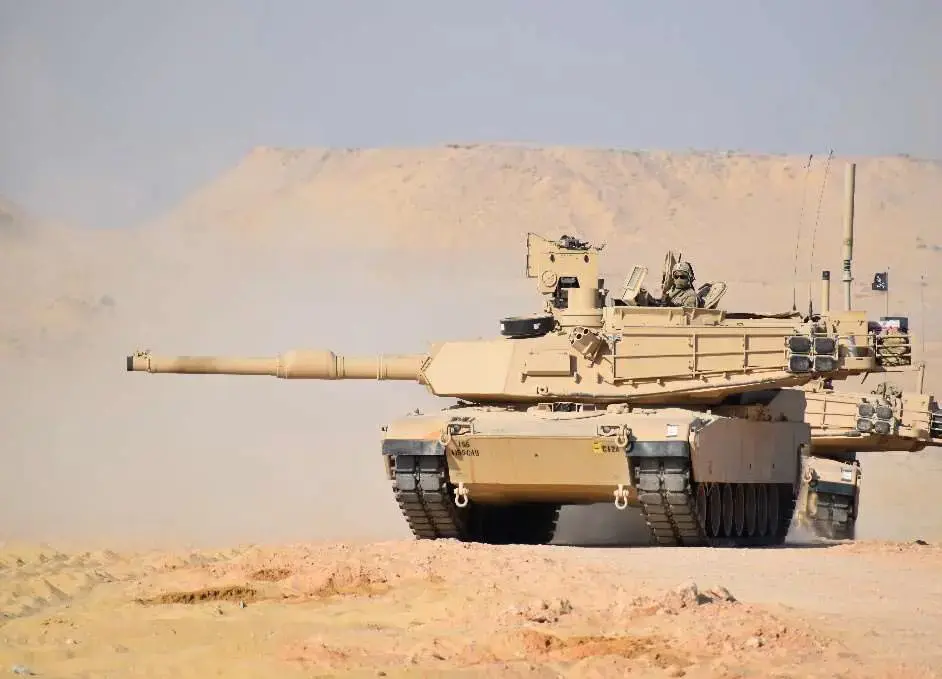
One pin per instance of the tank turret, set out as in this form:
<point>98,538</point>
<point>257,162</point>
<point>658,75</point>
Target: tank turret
<point>582,349</point>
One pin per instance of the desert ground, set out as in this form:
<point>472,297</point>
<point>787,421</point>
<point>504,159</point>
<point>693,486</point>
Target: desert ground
<point>188,526</point>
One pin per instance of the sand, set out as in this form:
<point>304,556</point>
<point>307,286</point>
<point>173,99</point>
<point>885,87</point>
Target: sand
<point>136,480</point>
<point>402,609</point>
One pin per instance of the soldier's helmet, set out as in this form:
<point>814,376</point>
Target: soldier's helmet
<point>682,275</point>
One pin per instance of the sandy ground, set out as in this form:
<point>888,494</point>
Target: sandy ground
<point>401,609</point>
<point>385,251</point>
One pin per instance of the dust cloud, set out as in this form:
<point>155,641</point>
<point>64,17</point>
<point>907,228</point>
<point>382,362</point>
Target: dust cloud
<point>103,456</point>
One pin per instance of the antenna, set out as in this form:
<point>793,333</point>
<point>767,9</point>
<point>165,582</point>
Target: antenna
<point>814,233</point>
<point>846,278</point>
<point>801,219</point>
<point>922,314</point>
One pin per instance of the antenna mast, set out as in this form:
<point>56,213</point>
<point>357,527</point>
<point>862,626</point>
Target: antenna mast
<point>846,278</point>
<point>801,220</point>
<point>814,233</point>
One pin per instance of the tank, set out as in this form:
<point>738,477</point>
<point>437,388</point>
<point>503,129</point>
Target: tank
<point>845,423</point>
<point>694,416</point>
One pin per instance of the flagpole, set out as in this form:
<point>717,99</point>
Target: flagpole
<point>886,294</point>
<point>881,283</point>
<point>922,317</point>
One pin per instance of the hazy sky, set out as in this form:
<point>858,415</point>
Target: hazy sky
<point>111,110</point>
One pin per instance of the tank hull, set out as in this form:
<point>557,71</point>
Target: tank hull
<point>829,497</point>
<point>483,473</point>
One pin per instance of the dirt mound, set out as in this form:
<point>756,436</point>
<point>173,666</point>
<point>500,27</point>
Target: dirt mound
<point>298,574</point>
<point>232,593</point>
<point>535,646</point>
<point>453,609</point>
<point>271,574</point>
<point>719,624</point>
<point>678,631</point>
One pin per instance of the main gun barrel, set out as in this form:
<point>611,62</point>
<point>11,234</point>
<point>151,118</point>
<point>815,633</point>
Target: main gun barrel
<point>305,365</point>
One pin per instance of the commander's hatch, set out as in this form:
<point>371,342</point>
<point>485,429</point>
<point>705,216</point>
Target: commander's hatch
<point>536,247</point>
<point>633,282</point>
<point>670,261</point>
<point>711,293</point>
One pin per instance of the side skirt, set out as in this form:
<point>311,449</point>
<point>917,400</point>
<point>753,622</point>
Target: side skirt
<point>681,512</point>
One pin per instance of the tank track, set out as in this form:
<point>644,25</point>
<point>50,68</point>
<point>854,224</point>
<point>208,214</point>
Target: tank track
<point>421,490</point>
<point>678,511</point>
<point>426,500</point>
<point>681,512</point>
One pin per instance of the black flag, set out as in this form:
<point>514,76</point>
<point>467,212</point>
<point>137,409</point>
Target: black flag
<point>881,281</point>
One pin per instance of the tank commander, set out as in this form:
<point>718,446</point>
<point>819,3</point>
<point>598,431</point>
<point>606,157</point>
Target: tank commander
<point>681,292</point>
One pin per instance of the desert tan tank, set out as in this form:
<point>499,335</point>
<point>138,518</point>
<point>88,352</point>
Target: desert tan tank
<point>693,415</point>
<point>845,423</point>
